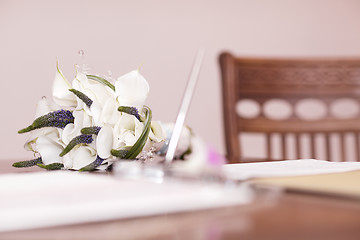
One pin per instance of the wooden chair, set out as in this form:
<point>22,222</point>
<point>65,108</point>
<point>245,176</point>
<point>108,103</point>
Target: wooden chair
<point>290,80</point>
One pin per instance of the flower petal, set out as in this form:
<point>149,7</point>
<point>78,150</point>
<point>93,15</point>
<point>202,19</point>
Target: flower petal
<point>82,156</point>
<point>104,142</point>
<point>109,113</point>
<point>157,133</point>
<point>60,91</point>
<point>82,119</point>
<point>132,89</point>
<point>49,150</point>
<point>42,107</point>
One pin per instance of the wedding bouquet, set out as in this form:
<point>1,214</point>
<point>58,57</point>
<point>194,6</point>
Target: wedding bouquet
<point>92,122</point>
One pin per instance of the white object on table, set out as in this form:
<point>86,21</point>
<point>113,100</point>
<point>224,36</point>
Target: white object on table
<point>43,199</point>
<point>245,171</point>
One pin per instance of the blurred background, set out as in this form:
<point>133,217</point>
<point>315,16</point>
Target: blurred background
<point>162,36</point>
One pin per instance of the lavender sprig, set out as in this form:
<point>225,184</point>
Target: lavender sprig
<point>92,166</point>
<point>58,119</point>
<point>130,110</point>
<point>51,166</point>
<point>29,163</point>
<point>81,139</point>
<point>91,130</point>
<point>82,96</point>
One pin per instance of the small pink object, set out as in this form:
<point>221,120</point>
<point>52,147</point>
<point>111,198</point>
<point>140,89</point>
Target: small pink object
<point>214,158</point>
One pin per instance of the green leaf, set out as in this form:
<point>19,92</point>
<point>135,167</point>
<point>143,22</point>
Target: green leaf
<point>51,166</point>
<point>119,153</point>
<point>101,80</point>
<point>140,143</point>
<point>29,163</point>
<point>92,166</point>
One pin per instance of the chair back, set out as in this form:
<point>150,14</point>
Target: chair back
<point>333,84</point>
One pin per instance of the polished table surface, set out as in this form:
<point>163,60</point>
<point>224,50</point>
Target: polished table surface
<point>273,215</point>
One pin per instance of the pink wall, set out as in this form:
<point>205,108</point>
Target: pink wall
<point>163,36</point>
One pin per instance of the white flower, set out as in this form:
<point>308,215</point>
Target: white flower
<point>96,91</point>
<point>60,91</point>
<point>43,107</point>
<point>184,139</point>
<point>105,114</point>
<point>49,149</point>
<point>132,89</point>
<point>126,131</point>
<point>81,157</point>
<point>82,119</point>
<point>104,142</point>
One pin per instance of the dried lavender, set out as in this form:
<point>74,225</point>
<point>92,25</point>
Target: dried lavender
<point>82,139</point>
<point>82,96</point>
<point>51,166</point>
<point>91,130</point>
<point>92,166</point>
<point>28,163</point>
<point>130,110</point>
<point>58,119</point>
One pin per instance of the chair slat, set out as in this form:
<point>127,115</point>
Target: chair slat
<point>268,146</point>
<point>342,147</point>
<point>327,147</point>
<point>283,146</point>
<point>312,146</point>
<point>297,146</point>
<point>357,146</point>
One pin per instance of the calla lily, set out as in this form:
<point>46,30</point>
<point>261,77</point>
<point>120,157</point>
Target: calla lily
<point>104,142</point>
<point>82,119</point>
<point>157,133</point>
<point>109,113</point>
<point>93,89</point>
<point>82,156</point>
<point>60,90</point>
<point>49,150</point>
<point>132,89</point>
<point>43,107</point>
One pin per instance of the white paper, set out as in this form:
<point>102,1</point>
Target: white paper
<point>244,171</point>
<point>42,199</point>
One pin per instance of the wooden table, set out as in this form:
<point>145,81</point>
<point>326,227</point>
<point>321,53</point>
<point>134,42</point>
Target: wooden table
<point>272,215</point>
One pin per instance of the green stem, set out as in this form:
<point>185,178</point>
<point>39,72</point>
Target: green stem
<point>140,143</point>
<point>101,80</point>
